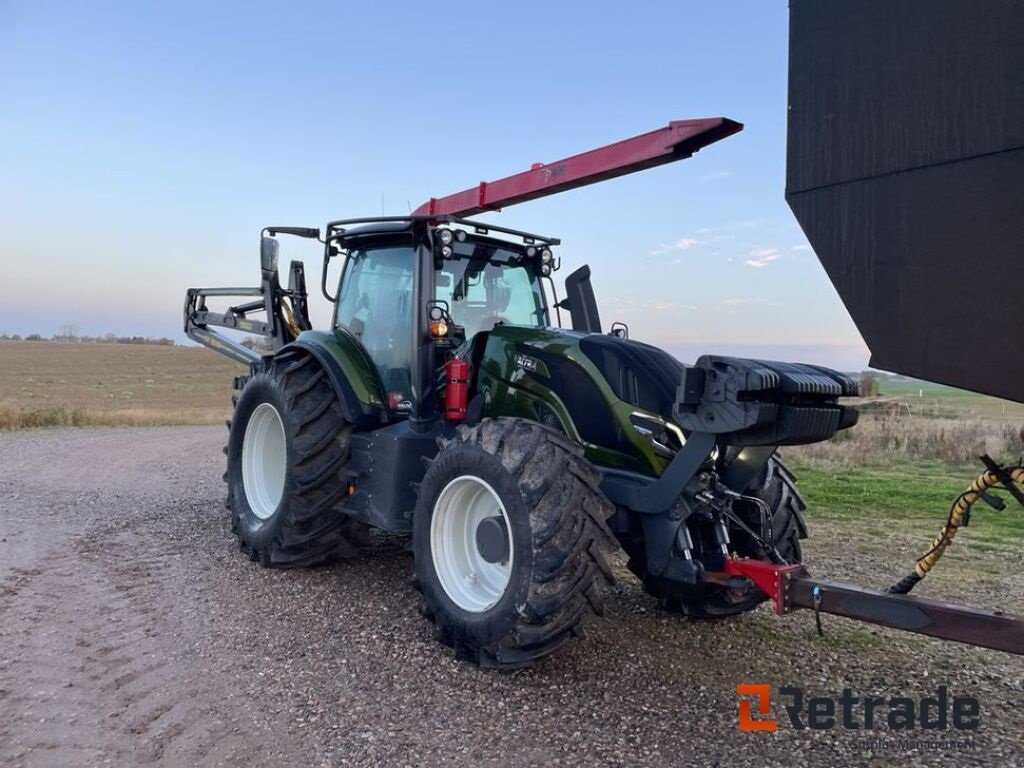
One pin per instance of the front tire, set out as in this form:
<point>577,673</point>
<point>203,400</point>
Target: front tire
<point>776,486</point>
<point>287,450</point>
<point>511,543</point>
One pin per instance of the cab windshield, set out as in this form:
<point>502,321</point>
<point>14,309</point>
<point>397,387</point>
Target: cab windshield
<point>485,284</point>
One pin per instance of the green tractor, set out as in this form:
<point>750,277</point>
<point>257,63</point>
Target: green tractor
<point>447,401</point>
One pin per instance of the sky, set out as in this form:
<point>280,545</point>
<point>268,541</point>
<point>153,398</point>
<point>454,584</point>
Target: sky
<point>143,145</point>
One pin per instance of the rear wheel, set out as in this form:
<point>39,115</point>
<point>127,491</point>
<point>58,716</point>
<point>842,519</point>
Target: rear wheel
<point>776,486</point>
<point>511,542</point>
<point>287,450</point>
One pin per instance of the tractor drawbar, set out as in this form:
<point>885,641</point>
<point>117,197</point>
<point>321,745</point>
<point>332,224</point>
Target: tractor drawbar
<point>791,587</point>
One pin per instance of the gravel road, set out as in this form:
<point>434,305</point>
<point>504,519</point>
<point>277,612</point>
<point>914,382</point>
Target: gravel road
<point>133,632</point>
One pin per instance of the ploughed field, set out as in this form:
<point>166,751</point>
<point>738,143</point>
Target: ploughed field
<point>46,383</point>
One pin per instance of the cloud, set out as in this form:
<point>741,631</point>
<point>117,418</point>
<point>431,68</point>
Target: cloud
<point>762,257</point>
<point>709,234</point>
<point>682,244</point>
<point>666,306</point>
<point>737,301</point>
<point>714,176</point>
<point>800,248</point>
<point>622,306</point>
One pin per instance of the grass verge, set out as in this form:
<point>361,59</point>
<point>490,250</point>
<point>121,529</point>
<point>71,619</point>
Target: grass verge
<point>907,498</point>
<point>14,417</point>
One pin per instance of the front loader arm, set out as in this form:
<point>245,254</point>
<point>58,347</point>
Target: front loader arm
<point>677,141</point>
<point>198,320</point>
<point>286,311</point>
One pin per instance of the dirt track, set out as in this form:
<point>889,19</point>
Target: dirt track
<point>133,632</point>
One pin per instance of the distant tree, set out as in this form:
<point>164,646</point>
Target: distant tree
<point>67,332</point>
<point>15,337</point>
<point>869,384</point>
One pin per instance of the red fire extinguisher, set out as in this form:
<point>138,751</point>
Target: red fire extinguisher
<point>456,391</point>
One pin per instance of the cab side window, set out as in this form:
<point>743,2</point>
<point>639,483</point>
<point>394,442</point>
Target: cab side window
<point>375,306</point>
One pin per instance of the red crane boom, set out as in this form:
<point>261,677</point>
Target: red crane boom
<point>678,141</point>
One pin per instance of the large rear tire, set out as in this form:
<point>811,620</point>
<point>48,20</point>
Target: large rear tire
<point>511,542</point>
<point>287,450</point>
<point>776,486</point>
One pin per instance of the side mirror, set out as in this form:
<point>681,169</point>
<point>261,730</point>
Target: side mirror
<point>269,248</point>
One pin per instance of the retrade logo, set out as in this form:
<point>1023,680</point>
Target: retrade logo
<point>762,694</point>
<point>847,711</point>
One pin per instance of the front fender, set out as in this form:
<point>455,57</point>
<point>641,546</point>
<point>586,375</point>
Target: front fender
<point>351,372</point>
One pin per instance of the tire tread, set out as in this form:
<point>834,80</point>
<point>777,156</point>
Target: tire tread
<point>315,529</point>
<point>571,542</point>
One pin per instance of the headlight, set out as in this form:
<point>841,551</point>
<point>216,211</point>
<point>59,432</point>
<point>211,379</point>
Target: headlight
<point>546,257</point>
<point>545,270</point>
<point>460,235</point>
<point>445,236</point>
<point>446,251</point>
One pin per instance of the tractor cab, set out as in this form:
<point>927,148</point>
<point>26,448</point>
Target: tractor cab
<point>415,292</point>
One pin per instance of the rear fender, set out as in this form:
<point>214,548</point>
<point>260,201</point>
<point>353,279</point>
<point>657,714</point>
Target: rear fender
<point>351,372</point>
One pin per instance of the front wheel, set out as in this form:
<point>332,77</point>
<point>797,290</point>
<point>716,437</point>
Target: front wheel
<point>287,452</point>
<point>511,543</point>
<point>776,487</point>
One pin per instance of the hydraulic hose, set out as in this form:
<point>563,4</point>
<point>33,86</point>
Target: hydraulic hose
<point>957,516</point>
<point>289,317</point>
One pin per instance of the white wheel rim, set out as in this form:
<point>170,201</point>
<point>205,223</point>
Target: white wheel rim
<point>472,583</point>
<point>264,460</point>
